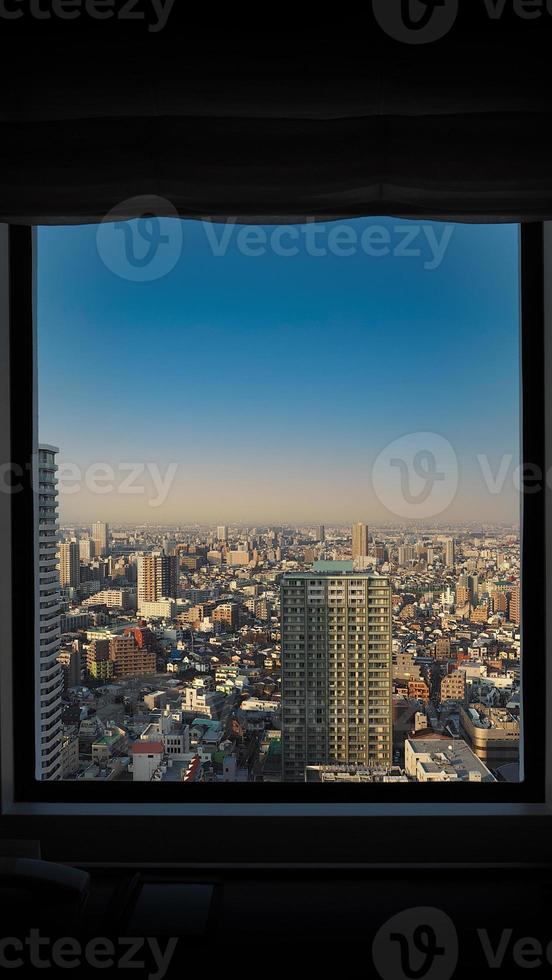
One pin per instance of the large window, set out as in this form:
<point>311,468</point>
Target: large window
<point>289,472</point>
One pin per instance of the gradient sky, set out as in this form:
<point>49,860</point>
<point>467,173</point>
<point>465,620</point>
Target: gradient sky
<point>273,382</point>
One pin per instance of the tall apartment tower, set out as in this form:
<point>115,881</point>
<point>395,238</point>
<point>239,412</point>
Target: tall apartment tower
<point>157,577</point>
<point>69,564</point>
<point>49,672</point>
<point>100,537</point>
<point>449,552</point>
<point>360,540</point>
<point>336,670</point>
<point>515,604</point>
<point>321,533</point>
<point>222,533</point>
<point>87,549</point>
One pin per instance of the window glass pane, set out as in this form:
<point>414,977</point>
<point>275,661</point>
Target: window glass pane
<point>286,462</point>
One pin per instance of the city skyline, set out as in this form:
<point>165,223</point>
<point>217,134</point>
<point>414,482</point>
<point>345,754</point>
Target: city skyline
<point>273,383</point>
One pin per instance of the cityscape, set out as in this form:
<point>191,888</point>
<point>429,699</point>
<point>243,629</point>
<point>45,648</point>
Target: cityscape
<point>233,653</point>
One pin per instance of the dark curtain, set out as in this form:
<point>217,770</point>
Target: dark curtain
<point>453,130</point>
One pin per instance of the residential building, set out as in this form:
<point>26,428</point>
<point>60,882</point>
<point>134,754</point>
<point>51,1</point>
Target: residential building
<point>453,686</point>
<point>100,537</point>
<point>48,671</point>
<point>360,540</point>
<point>336,660</point>
<point>87,549</point>
<point>157,577</point>
<point>449,552</point>
<point>69,565</point>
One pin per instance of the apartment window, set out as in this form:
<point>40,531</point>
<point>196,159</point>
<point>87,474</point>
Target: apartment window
<point>168,403</point>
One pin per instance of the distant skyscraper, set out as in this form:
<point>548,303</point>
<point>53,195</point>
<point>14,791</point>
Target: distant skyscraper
<point>222,533</point>
<point>321,533</point>
<point>449,552</point>
<point>515,605</point>
<point>405,554</point>
<point>69,564</point>
<point>100,536</point>
<point>87,549</point>
<point>336,670</point>
<point>157,577</point>
<point>49,672</point>
<point>360,540</point>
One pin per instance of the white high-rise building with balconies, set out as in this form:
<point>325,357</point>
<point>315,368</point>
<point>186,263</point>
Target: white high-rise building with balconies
<point>49,672</point>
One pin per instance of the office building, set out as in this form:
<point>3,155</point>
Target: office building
<point>336,667</point>
<point>49,672</point>
<point>321,533</point>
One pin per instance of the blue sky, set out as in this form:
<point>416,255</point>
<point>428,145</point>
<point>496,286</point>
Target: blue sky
<point>274,381</point>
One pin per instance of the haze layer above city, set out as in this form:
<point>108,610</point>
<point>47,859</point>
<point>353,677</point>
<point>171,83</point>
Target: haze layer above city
<point>258,386</point>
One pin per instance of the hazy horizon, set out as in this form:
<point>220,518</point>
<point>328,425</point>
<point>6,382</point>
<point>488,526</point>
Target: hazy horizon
<point>273,383</point>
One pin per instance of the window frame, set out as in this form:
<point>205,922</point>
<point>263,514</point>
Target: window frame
<point>23,792</point>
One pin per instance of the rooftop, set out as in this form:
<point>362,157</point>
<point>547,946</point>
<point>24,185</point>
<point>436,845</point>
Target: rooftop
<point>454,756</point>
<point>148,748</point>
<point>333,572</point>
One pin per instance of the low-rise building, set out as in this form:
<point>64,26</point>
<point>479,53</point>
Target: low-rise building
<point>492,733</point>
<point>442,761</point>
<point>354,774</point>
<point>453,686</point>
<point>69,756</point>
